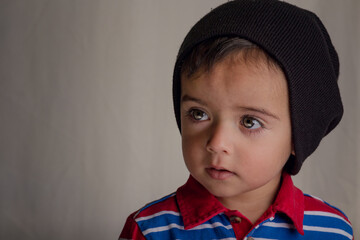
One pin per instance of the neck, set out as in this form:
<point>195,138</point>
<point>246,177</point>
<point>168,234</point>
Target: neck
<point>254,203</point>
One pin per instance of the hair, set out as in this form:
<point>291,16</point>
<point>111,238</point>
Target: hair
<point>205,55</point>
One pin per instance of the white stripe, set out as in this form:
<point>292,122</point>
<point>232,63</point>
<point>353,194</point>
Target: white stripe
<point>174,225</point>
<point>328,230</point>
<point>326,214</point>
<point>316,198</point>
<point>164,228</point>
<point>212,225</point>
<point>156,215</point>
<point>279,225</point>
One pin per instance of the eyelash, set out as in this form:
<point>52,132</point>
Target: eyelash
<point>189,114</point>
<point>252,131</point>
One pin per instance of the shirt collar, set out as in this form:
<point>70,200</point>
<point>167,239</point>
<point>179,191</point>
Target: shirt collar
<point>290,201</point>
<point>197,205</point>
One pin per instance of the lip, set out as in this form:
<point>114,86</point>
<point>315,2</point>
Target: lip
<point>219,173</point>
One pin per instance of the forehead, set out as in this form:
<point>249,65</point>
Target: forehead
<point>240,73</point>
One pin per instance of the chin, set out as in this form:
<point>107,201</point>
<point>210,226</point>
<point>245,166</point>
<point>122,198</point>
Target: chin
<point>222,191</point>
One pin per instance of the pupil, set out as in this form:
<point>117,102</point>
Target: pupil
<point>248,122</point>
<point>198,115</point>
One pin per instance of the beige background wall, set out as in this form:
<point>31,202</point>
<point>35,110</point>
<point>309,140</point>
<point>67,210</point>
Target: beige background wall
<point>87,132</point>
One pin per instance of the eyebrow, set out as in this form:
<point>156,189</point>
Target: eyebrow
<point>186,98</point>
<point>262,111</point>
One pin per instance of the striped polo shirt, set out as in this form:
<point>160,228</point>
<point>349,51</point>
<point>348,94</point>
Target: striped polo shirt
<point>194,213</point>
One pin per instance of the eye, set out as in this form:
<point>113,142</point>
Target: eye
<point>250,123</point>
<point>198,115</point>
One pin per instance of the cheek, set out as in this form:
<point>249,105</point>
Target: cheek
<point>191,154</point>
<point>191,145</point>
<point>270,152</point>
<point>193,149</point>
<point>191,137</point>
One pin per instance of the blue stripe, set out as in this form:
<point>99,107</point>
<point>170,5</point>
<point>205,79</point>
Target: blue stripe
<point>162,220</point>
<point>149,228</point>
<point>329,222</point>
<point>191,234</point>
<point>276,233</point>
<point>285,234</point>
<point>272,232</point>
<point>324,235</point>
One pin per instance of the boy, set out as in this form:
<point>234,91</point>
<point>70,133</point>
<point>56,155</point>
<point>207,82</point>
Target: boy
<point>254,90</point>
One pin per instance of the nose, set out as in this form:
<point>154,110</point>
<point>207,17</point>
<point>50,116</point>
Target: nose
<point>220,139</point>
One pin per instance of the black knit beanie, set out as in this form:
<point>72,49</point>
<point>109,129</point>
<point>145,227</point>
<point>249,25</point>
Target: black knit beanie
<point>298,40</point>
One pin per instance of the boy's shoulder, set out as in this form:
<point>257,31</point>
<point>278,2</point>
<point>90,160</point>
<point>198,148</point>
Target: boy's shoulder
<point>149,218</point>
<point>162,206</point>
<point>317,205</point>
<point>320,215</point>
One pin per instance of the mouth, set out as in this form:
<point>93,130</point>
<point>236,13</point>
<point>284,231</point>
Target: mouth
<point>219,173</point>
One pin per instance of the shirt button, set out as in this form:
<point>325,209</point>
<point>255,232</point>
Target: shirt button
<point>235,219</point>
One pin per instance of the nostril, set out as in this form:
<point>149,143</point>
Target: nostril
<point>210,149</point>
<point>217,149</point>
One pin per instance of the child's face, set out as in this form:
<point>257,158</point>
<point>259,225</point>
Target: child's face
<point>236,130</point>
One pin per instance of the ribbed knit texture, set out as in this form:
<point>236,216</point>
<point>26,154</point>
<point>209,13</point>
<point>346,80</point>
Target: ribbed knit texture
<point>298,40</point>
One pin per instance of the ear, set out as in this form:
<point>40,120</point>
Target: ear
<point>292,149</point>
